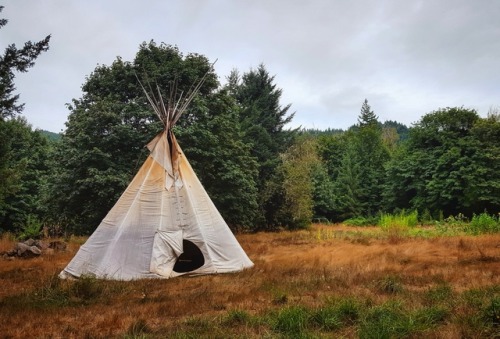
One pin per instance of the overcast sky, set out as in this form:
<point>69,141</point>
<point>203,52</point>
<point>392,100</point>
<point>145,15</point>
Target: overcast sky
<point>407,58</point>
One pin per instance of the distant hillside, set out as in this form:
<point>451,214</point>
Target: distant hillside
<point>51,135</point>
<point>328,131</point>
<point>401,129</point>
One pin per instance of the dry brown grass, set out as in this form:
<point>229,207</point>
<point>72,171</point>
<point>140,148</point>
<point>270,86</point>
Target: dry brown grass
<point>291,268</point>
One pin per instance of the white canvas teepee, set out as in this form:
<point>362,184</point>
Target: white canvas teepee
<point>164,224</point>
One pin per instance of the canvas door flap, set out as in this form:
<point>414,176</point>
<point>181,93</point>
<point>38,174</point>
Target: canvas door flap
<point>167,247</point>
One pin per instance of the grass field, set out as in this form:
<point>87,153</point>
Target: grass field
<point>328,281</point>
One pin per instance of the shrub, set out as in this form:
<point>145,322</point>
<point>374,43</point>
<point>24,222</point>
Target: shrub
<point>402,219</point>
<point>483,223</point>
<point>397,226</point>
<point>31,228</point>
<point>360,221</point>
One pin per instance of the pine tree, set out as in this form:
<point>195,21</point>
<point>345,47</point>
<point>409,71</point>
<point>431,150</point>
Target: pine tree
<point>263,122</point>
<point>366,116</point>
<point>19,60</point>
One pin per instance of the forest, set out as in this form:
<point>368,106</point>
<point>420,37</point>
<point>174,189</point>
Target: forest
<point>261,174</point>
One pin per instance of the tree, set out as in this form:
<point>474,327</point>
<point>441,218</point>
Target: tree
<point>21,149</point>
<point>20,60</point>
<point>291,188</point>
<point>367,117</point>
<point>449,164</point>
<point>347,186</point>
<point>484,192</point>
<point>263,122</point>
<point>331,150</point>
<point>108,126</point>
<point>23,173</point>
<point>214,145</point>
<point>361,174</point>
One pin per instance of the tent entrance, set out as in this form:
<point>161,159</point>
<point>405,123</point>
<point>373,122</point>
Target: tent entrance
<point>190,259</point>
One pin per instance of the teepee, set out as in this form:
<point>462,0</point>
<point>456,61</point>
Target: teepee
<point>164,225</point>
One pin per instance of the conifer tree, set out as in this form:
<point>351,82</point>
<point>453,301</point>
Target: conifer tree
<point>367,117</point>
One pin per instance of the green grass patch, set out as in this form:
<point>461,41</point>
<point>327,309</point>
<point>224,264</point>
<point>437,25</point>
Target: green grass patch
<point>292,321</point>
<point>237,317</point>
<point>483,224</point>
<point>402,219</point>
<point>442,293</point>
<point>360,221</point>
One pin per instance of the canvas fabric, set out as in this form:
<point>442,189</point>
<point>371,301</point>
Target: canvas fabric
<point>142,235</point>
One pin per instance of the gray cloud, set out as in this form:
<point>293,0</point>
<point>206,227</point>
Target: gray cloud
<point>406,58</point>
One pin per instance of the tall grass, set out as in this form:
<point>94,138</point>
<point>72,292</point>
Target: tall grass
<point>397,226</point>
<point>402,219</point>
<point>483,223</point>
<point>305,284</point>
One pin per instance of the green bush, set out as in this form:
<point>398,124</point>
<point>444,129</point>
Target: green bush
<point>403,219</point>
<point>483,223</point>
<point>31,228</point>
<point>360,221</point>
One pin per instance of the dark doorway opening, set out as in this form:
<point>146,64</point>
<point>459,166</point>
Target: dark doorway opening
<point>190,259</point>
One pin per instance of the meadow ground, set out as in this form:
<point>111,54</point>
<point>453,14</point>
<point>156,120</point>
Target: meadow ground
<point>328,281</point>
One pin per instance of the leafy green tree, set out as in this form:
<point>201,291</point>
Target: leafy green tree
<point>331,150</point>
<point>484,191</point>
<point>449,164</point>
<point>109,125</point>
<point>101,147</point>
<point>390,139</point>
<point>24,173</point>
<point>292,186</point>
<point>401,129</point>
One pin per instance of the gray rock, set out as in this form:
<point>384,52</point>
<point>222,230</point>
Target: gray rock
<point>26,251</point>
<point>41,244</point>
<point>29,242</point>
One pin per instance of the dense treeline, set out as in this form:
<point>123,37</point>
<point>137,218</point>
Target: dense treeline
<point>261,174</point>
